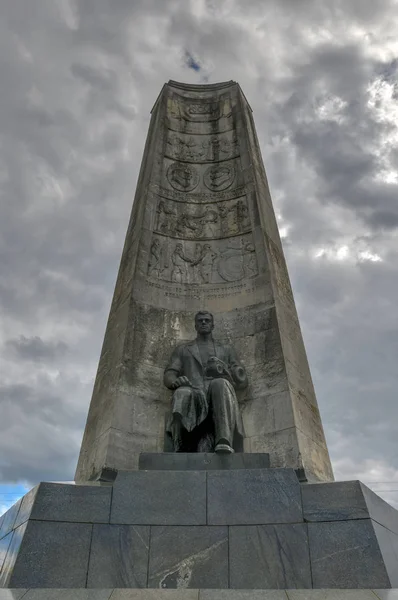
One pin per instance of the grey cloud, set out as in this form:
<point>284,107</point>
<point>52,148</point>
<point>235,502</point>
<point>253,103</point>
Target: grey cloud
<point>78,81</point>
<point>36,349</point>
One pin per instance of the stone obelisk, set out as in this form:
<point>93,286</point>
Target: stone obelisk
<point>202,235</point>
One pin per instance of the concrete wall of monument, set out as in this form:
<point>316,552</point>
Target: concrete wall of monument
<point>202,247</point>
<point>198,240</point>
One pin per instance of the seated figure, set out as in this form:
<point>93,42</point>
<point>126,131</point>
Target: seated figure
<point>204,375</point>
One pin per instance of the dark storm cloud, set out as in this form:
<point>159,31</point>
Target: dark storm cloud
<point>78,81</point>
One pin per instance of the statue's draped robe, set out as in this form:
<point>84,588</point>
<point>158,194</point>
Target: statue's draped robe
<point>207,396</point>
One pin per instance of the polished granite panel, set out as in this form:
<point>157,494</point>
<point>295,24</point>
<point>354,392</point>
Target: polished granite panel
<point>53,555</point>
<point>4,544</point>
<point>388,542</point>
<point>12,554</point>
<point>253,496</point>
<point>9,518</point>
<point>72,503</point>
<point>336,501</point>
<point>27,503</point>
<point>193,557</point>
<point>159,498</point>
<point>119,556</point>
<point>269,556</point>
<point>196,461</point>
<point>346,554</point>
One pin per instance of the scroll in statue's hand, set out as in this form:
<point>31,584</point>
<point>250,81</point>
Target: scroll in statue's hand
<point>217,368</point>
<point>180,381</point>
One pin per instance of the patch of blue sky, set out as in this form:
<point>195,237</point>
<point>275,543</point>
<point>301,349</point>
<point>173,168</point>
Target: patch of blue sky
<point>191,62</point>
<point>10,493</point>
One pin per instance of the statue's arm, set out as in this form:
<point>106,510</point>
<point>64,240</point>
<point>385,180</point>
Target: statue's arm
<point>237,370</point>
<point>173,374</point>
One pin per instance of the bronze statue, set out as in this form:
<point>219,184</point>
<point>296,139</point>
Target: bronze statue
<point>204,375</point>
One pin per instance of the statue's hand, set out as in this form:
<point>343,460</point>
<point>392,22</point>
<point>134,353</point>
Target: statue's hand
<point>180,381</point>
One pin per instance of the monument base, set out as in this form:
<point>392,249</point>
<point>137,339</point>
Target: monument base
<point>216,528</point>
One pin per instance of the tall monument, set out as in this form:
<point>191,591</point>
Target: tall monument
<point>203,463</point>
<point>203,236</point>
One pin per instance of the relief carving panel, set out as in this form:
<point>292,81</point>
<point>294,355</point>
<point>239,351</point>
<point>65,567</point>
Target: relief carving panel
<point>216,178</point>
<point>201,148</point>
<point>193,221</point>
<point>187,262</point>
<point>182,177</point>
<point>199,116</point>
<point>199,110</point>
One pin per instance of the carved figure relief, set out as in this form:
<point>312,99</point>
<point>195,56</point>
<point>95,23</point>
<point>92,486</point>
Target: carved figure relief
<point>182,177</point>
<point>219,177</point>
<point>154,267</point>
<point>202,222</point>
<point>203,263</point>
<point>187,148</point>
<point>179,273</point>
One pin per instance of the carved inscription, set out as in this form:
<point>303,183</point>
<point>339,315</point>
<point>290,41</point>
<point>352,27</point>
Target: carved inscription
<point>215,148</point>
<point>202,263</point>
<point>182,177</point>
<point>193,221</point>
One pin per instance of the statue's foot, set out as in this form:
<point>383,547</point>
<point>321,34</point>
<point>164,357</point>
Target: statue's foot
<point>224,448</point>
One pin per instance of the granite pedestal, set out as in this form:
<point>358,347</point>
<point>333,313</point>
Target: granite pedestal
<point>242,528</point>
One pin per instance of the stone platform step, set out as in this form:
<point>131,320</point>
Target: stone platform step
<point>193,594</point>
<point>231,528</point>
<point>195,461</point>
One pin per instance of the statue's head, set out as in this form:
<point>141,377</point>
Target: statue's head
<point>204,322</point>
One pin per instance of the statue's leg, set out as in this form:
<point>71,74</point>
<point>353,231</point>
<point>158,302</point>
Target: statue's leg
<point>223,407</point>
<point>183,418</point>
<point>176,433</point>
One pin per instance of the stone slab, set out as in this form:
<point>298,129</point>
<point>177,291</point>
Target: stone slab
<point>253,496</point>
<point>26,506</point>
<point>185,461</point>
<point>193,557</point>
<point>72,503</point>
<point>269,556</point>
<point>346,554</point>
<point>388,542</point>
<point>159,498</point>
<point>9,518</point>
<point>242,595</point>
<point>119,556</point>
<point>380,510</point>
<point>12,594</point>
<point>53,554</point>
<point>153,594</point>
<point>11,556</point>
<point>4,544</point>
<point>60,594</point>
<point>330,595</point>
<point>336,501</point>
<point>387,594</point>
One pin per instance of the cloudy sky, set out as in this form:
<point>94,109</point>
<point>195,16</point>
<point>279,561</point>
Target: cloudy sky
<point>78,79</point>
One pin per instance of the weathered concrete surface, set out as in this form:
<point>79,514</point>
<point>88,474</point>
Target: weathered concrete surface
<point>202,195</point>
